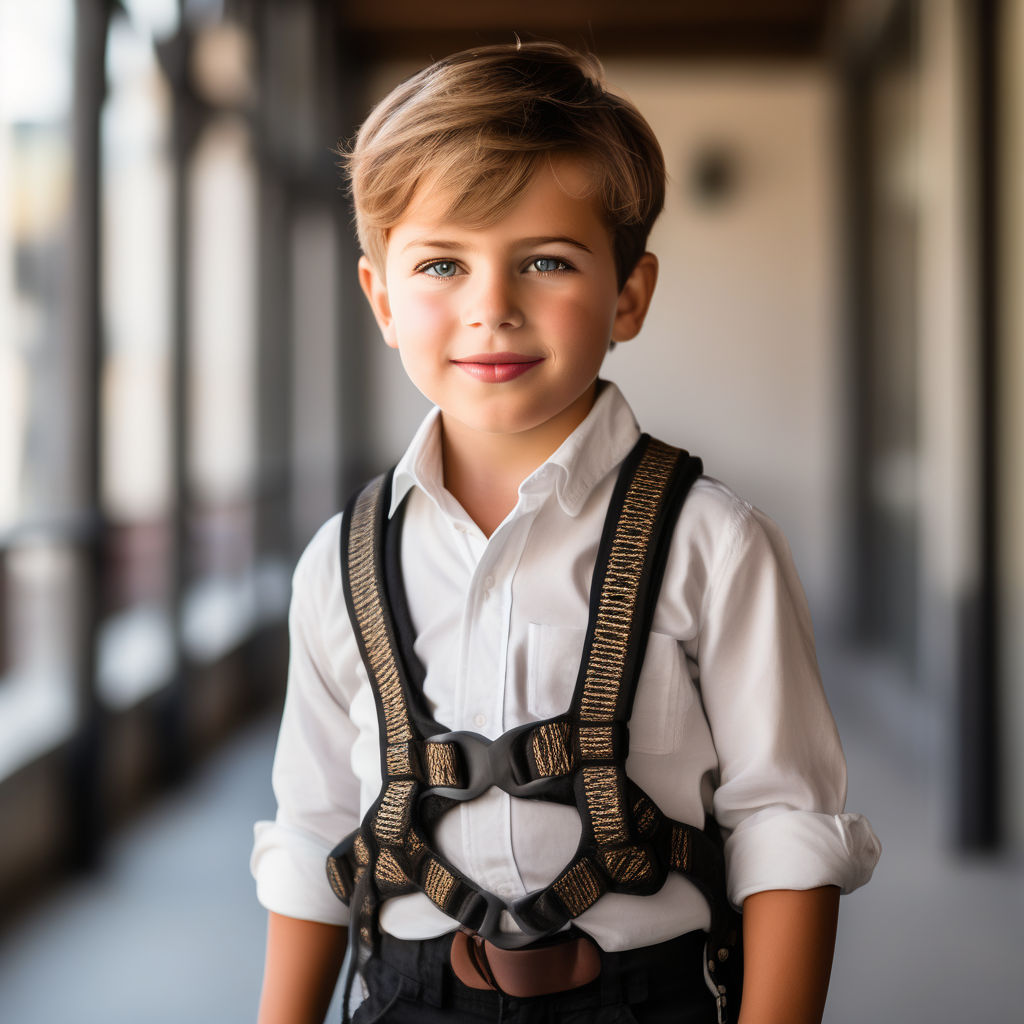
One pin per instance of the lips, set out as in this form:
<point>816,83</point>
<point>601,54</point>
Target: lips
<point>497,367</point>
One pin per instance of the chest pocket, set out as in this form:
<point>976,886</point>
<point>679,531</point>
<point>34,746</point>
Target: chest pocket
<point>663,697</point>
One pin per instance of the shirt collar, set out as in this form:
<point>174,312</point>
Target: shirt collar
<point>420,466</point>
<point>583,459</point>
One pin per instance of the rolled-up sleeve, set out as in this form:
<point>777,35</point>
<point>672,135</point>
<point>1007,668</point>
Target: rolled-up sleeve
<point>782,774</point>
<point>317,792</point>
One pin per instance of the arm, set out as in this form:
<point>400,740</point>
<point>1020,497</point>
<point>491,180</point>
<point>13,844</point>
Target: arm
<point>301,970</point>
<point>790,847</point>
<point>317,795</point>
<point>788,940</point>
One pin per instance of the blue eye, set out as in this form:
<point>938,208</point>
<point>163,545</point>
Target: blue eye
<point>441,268</point>
<point>548,265</point>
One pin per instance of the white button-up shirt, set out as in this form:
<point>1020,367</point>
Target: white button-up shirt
<point>729,715</point>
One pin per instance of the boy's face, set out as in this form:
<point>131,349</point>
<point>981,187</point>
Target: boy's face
<point>505,327</point>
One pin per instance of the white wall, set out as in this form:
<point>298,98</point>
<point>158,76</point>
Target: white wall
<point>738,361</point>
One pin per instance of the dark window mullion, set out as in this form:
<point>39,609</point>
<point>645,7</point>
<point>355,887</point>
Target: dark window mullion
<point>84,347</point>
<point>979,797</point>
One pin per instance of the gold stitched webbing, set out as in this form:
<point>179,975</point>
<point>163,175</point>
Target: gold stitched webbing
<point>604,802</point>
<point>579,888</point>
<point>341,888</point>
<point>361,850</point>
<point>628,865</point>
<point>441,767</point>
<point>363,545</point>
<point>596,742</point>
<point>645,815</point>
<point>439,883</point>
<point>551,751</point>
<point>399,759</point>
<point>679,856</point>
<point>622,581</point>
<point>392,824</point>
<point>604,785</point>
<point>620,859</point>
<point>388,871</point>
<point>442,764</point>
<point>393,818</point>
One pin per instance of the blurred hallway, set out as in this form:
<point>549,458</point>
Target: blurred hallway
<point>190,383</point>
<point>171,931</point>
<point>937,937</point>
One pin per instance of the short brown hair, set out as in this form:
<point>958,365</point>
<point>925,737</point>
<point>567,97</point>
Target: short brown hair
<point>479,123</point>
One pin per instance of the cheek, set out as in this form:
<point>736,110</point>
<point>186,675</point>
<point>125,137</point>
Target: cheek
<point>419,317</point>
<point>582,325</point>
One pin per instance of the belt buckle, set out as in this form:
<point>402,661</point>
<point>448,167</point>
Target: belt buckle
<point>525,973</point>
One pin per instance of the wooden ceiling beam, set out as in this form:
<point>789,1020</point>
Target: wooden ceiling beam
<point>727,28</point>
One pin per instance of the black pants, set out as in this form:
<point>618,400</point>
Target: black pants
<point>413,983</point>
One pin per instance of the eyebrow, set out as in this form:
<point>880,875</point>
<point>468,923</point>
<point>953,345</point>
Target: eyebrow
<point>549,239</point>
<point>526,243</point>
<point>431,243</point>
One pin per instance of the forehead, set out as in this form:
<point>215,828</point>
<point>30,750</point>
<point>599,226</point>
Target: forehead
<point>561,190</point>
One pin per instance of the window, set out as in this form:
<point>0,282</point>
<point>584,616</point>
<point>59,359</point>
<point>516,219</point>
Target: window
<point>222,388</point>
<point>38,473</point>
<point>136,643</point>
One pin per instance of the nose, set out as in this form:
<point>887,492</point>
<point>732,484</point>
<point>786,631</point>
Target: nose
<point>492,301</point>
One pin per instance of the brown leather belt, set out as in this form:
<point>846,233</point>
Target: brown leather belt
<point>535,971</point>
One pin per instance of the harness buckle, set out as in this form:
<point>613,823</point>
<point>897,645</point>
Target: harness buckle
<point>487,763</point>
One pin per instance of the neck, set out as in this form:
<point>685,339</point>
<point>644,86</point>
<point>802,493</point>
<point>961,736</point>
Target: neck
<point>483,471</point>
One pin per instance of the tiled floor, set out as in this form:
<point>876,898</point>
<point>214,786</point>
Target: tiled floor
<point>170,931</point>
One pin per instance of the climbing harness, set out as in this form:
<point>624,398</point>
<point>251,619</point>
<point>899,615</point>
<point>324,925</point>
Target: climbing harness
<point>577,758</point>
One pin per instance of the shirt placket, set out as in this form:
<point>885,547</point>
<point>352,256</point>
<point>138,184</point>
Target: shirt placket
<point>481,693</point>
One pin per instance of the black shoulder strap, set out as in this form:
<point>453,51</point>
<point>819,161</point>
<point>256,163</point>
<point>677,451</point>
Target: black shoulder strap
<point>653,483</point>
<point>362,563</point>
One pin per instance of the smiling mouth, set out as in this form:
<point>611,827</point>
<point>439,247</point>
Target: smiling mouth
<point>497,367</point>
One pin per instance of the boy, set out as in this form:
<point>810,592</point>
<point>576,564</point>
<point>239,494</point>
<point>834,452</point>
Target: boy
<point>503,202</point>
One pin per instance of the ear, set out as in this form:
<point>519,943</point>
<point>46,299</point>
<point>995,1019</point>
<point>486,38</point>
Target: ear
<point>376,291</point>
<point>635,298</point>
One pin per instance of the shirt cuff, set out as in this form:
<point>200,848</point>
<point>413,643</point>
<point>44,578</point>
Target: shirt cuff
<point>791,849</point>
<point>290,868</point>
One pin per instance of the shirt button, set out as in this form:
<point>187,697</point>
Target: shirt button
<point>480,720</point>
<point>488,583</point>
